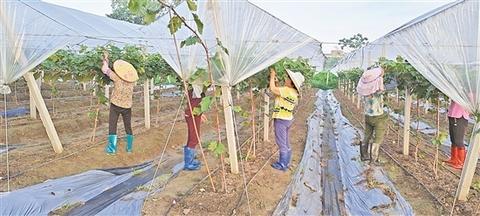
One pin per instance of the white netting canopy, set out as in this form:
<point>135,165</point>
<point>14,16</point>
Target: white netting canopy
<point>254,39</point>
<point>313,52</point>
<point>33,30</point>
<point>159,39</point>
<point>443,45</point>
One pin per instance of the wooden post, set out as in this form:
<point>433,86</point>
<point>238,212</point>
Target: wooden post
<point>238,94</point>
<point>397,94</point>
<point>358,101</point>
<point>107,91</point>
<point>44,115</point>
<point>146,102</point>
<point>349,90</point>
<point>426,105</point>
<point>33,108</point>
<point>472,158</point>
<point>352,92</point>
<point>37,95</point>
<point>152,89</point>
<point>230,127</point>
<point>266,116</point>
<point>353,97</point>
<point>469,167</point>
<point>406,123</point>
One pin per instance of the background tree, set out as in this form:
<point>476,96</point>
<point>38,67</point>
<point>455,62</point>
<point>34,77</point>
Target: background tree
<point>354,42</point>
<point>120,12</point>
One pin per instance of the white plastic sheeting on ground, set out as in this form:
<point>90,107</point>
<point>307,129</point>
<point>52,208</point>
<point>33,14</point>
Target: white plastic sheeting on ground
<point>330,179</point>
<point>32,30</point>
<point>96,192</point>
<point>45,197</point>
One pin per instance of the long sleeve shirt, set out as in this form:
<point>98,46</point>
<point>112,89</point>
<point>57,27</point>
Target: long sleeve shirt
<point>195,102</point>
<point>122,93</point>
<point>373,104</point>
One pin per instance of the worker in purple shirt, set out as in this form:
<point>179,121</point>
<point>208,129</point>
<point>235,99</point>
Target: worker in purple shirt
<point>457,125</point>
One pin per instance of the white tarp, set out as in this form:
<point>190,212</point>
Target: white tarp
<point>160,40</point>
<point>253,38</point>
<point>33,30</point>
<point>313,52</point>
<point>443,45</point>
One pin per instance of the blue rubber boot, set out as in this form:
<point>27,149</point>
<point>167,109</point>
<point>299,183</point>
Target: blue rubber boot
<point>188,155</point>
<point>289,158</point>
<point>111,148</point>
<point>282,163</point>
<point>129,139</point>
<point>195,162</point>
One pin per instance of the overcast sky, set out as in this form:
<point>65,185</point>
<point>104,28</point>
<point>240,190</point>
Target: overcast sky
<point>325,20</point>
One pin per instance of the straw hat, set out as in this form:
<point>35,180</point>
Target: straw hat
<point>371,82</point>
<point>125,71</point>
<point>297,78</point>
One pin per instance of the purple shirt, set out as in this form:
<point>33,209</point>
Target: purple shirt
<point>457,111</point>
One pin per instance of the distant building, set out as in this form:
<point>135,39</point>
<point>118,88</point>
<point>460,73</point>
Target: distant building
<point>335,53</point>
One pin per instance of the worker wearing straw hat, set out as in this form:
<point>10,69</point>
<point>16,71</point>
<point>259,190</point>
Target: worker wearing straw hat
<point>371,87</point>
<point>286,98</point>
<point>124,77</point>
